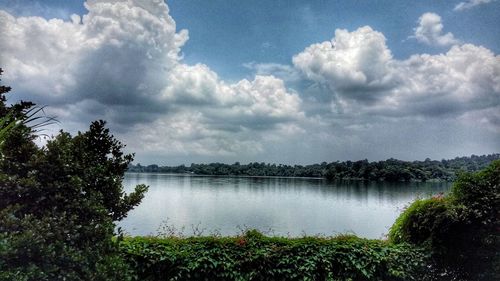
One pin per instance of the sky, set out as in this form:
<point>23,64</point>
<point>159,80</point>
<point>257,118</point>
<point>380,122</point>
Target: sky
<point>292,82</point>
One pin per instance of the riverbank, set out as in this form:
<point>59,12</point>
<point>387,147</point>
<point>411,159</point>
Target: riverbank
<point>253,256</point>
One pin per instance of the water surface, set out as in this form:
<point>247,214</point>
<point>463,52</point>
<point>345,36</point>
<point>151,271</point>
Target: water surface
<point>276,206</point>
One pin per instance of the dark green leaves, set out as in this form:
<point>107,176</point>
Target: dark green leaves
<point>58,204</point>
<point>265,258</point>
<point>461,230</point>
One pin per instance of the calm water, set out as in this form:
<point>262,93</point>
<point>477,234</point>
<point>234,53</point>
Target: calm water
<point>287,206</point>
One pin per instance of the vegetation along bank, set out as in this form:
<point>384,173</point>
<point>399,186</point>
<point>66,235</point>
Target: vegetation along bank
<point>389,170</point>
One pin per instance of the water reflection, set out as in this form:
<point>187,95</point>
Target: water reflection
<point>288,206</point>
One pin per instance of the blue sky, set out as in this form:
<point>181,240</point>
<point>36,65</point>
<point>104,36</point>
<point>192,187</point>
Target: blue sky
<point>226,34</point>
<point>415,89</point>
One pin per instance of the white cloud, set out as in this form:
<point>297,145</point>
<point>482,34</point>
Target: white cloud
<point>355,65</point>
<point>187,133</point>
<point>223,132</point>
<point>466,78</point>
<point>122,62</point>
<point>264,101</point>
<point>430,31</point>
<point>122,44</point>
<point>363,78</point>
<point>470,4</point>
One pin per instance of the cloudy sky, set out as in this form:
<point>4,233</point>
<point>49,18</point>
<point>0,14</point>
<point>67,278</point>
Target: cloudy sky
<point>269,81</point>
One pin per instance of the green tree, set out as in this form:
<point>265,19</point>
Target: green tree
<point>59,203</point>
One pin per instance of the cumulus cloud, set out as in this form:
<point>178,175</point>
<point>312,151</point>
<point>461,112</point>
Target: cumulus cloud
<point>122,62</point>
<point>465,78</point>
<point>470,4</point>
<point>115,54</point>
<point>187,133</point>
<point>355,66</point>
<point>260,103</point>
<point>363,77</point>
<point>430,31</point>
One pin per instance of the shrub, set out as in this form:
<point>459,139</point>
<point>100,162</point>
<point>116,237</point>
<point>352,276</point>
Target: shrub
<point>461,229</point>
<point>257,257</point>
<point>422,222</point>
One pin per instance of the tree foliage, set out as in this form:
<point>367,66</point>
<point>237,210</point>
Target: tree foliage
<point>59,203</point>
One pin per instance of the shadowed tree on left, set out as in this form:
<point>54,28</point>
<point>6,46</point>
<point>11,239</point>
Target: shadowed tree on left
<point>59,203</point>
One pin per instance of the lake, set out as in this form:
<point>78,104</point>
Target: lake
<point>276,206</point>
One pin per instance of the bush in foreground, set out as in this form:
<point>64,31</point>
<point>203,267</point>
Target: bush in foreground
<point>460,229</point>
<point>256,257</point>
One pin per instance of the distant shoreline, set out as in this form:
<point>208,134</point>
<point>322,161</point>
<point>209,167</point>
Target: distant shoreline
<point>228,175</point>
<point>271,177</point>
<point>390,170</point>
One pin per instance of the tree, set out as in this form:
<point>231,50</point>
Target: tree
<point>59,203</point>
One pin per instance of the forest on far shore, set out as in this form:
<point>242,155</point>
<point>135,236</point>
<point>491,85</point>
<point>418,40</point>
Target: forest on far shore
<point>387,170</point>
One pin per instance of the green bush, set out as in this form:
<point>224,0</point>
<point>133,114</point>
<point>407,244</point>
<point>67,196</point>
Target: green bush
<point>460,229</point>
<point>422,222</point>
<point>257,257</point>
<point>479,193</point>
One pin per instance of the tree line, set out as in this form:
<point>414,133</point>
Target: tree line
<point>388,170</point>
